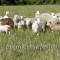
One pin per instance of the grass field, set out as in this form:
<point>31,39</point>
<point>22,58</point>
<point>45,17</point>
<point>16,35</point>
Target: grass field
<point>23,45</point>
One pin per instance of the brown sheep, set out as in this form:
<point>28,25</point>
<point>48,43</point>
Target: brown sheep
<point>7,21</point>
<point>54,26</point>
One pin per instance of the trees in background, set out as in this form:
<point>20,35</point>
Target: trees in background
<point>28,2</point>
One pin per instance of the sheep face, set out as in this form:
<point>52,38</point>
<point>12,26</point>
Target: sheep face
<point>48,23</point>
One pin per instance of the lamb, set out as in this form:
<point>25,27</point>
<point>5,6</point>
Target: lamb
<point>17,19</point>
<point>36,26</point>
<point>5,28</point>
<point>48,17</point>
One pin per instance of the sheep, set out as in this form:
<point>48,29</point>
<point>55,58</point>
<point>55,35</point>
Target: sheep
<point>54,19</point>
<point>5,28</point>
<point>17,19</point>
<point>44,17</point>
<point>48,17</point>
<point>7,21</point>
<point>7,14</point>
<point>54,26</point>
<point>36,26</point>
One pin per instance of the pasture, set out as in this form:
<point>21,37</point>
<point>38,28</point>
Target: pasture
<point>23,45</point>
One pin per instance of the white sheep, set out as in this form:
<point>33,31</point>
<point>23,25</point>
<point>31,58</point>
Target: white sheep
<point>36,26</point>
<point>7,14</point>
<point>5,28</point>
<point>48,17</point>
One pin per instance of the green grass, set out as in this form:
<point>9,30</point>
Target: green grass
<point>32,47</point>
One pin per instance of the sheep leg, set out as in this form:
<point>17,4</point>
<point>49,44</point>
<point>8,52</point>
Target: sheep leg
<point>43,28</point>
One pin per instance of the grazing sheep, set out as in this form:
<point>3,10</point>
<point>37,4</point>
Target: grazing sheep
<point>36,26</point>
<point>5,28</point>
<point>48,17</point>
<point>7,14</point>
<point>7,21</point>
<point>54,26</point>
<point>17,19</point>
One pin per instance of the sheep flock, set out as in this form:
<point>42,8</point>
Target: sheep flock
<point>39,22</point>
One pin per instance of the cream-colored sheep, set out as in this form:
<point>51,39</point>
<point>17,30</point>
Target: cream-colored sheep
<point>54,26</point>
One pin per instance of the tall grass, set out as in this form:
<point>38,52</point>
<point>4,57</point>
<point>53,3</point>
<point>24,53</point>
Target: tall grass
<point>23,45</point>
